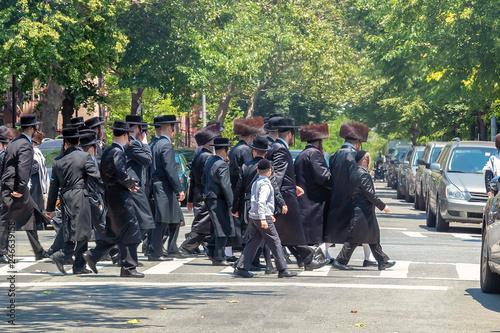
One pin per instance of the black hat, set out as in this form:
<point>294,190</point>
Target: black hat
<point>264,164</point>
<point>273,115</point>
<point>285,124</point>
<point>270,125</point>
<point>76,122</point>
<point>165,119</point>
<point>218,123</point>
<point>28,120</point>
<point>70,133</point>
<point>359,155</point>
<point>260,142</point>
<point>84,129</point>
<point>94,122</point>
<point>206,134</point>
<point>3,139</point>
<point>135,120</point>
<point>121,126</point>
<point>221,142</point>
<point>88,139</point>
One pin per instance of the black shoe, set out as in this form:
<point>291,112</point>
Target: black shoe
<point>139,264</point>
<point>220,263</point>
<point>82,271</point>
<point>384,265</point>
<point>4,259</point>
<point>58,259</point>
<point>300,262</point>
<point>286,273</point>
<point>162,258</point>
<point>90,262</point>
<point>115,259</point>
<point>179,255</point>
<point>185,252</point>
<point>232,259</point>
<point>368,263</point>
<point>314,264</point>
<point>129,274</point>
<point>342,267</point>
<point>41,255</point>
<point>209,255</point>
<point>318,254</point>
<point>287,257</point>
<point>271,270</point>
<point>242,273</point>
<point>69,261</point>
<point>254,268</point>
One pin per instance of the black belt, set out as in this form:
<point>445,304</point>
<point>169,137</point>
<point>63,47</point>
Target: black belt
<point>74,187</point>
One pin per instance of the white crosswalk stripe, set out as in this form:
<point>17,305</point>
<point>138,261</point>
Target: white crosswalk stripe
<point>414,234</point>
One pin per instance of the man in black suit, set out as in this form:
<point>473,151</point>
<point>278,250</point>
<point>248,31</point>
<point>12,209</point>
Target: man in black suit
<point>18,208</point>
<point>122,227</point>
<point>219,198</point>
<point>167,191</point>
<point>70,173</point>
<point>97,124</point>
<point>272,132</point>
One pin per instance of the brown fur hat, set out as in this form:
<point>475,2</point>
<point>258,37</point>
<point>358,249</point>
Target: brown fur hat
<point>497,141</point>
<point>206,134</point>
<point>314,132</point>
<point>38,137</point>
<point>249,126</point>
<point>354,130</point>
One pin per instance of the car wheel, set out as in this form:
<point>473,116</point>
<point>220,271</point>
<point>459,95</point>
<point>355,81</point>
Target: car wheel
<point>416,201</point>
<point>441,224</point>
<point>430,217</point>
<point>421,201</point>
<point>399,195</point>
<point>490,281</point>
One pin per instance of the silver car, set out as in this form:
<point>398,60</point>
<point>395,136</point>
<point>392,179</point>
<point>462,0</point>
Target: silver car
<point>456,184</point>
<point>429,156</point>
<point>406,174</point>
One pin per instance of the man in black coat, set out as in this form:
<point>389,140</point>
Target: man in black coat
<point>70,173</point>
<point>219,198</point>
<point>97,124</point>
<point>364,227</point>
<point>18,208</point>
<point>122,227</point>
<point>167,191</point>
<point>272,132</point>
<point>290,226</point>
<point>313,176</point>
<point>201,225</point>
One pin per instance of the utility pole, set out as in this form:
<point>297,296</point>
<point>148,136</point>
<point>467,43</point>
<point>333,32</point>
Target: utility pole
<point>493,128</point>
<point>14,101</point>
<point>204,109</point>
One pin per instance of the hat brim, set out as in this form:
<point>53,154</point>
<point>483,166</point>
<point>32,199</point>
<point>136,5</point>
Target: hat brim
<point>121,129</point>
<point>260,148</point>
<point>91,143</point>
<point>269,128</point>
<point>222,145</point>
<point>76,124</point>
<point>29,125</point>
<point>285,127</point>
<point>137,123</point>
<point>166,122</point>
<point>71,136</point>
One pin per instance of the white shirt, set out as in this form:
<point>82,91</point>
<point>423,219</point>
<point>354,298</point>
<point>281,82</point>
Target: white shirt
<point>262,199</point>
<point>493,165</point>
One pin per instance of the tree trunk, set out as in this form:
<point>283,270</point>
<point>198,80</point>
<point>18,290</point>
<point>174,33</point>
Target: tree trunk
<point>224,104</point>
<point>136,99</point>
<point>49,108</point>
<point>68,107</point>
<point>480,125</point>
<point>253,101</point>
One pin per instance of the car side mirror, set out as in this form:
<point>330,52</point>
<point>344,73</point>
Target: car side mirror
<point>494,184</point>
<point>427,165</point>
<point>406,163</point>
<point>436,167</point>
<point>420,161</point>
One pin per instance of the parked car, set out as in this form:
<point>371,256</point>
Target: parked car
<point>393,164</point>
<point>429,156</point>
<point>490,248</point>
<point>50,148</point>
<point>456,184</point>
<point>296,153</point>
<point>406,174</point>
<point>184,172</point>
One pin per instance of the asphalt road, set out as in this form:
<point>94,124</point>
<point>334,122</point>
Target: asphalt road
<point>434,287</point>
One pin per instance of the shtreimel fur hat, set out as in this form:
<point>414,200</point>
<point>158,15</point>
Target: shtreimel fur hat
<point>354,131</point>
<point>207,134</point>
<point>314,132</point>
<point>249,126</point>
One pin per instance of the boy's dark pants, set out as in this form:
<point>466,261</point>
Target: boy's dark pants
<point>256,234</point>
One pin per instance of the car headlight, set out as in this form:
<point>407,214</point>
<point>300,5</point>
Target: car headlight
<point>453,192</point>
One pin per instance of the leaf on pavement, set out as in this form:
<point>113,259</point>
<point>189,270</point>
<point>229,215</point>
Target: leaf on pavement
<point>359,325</point>
<point>163,308</point>
<point>47,292</point>
<point>233,301</point>
<point>354,311</point>
<point>79,321</point>
<point>133,322</point>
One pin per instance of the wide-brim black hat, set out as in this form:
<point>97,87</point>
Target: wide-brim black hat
<point>94,121</point>
<point>70,133</point>
<point>3,139</point>
<point>260,142</point>
<point>270,125</point>
<point>76,122</point>
<point>89,139</point>
<point>123,126</point>
<point>221,142</point>
<point>285,124</point>
<point>165,119</point>
<point>28,120</point>
<point>133,119</point>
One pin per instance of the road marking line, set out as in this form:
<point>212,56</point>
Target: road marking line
<point>228,284</point>
<point>400,270</point>
<point>167,266</point>
<point>468,271</point>
<point>414,234</point>
<point>464,236</point>
<point>389,228</point>
<point>415,278</point>
<point>323,271</point>
<point>20,264</point>
<point>228,270</point>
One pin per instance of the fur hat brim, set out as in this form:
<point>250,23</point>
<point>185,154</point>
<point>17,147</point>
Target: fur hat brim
<point>354,130</point>
<point>249,126</point>
<point>314,132</point>
<point>208,133</point>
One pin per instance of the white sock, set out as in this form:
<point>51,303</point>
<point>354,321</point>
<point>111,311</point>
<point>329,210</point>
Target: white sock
<point>368,253</point>
<point>324,248</point>
<point>229,251</point>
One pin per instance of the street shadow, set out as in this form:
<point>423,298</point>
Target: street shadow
<point>488,301</point>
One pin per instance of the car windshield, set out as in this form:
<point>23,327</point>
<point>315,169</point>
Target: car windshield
<point>435,153</point>
<point>470,159</point>
<point>417,156</point>
<point>50,153</point>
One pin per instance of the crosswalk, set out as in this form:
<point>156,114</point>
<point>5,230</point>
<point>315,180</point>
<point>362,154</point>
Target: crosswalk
<point>27,266</point>
<point>433,234</point>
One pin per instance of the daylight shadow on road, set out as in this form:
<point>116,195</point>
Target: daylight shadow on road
<point>488,301</point>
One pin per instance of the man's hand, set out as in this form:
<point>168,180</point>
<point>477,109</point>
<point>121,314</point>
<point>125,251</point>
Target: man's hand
<point>144,139</point>
<point>273,219</point>
<point>182,196</point>
<point>100,207</point>
<point>263,224</point>
<point>16,194</point>
<point>236,214</point>
<point>48,214</point>
<point>135,189</point>
<point>387,209</point>
<point>299,191</point>
<point>189,206</point>
<point>284,209</point>
<point>490,194</point>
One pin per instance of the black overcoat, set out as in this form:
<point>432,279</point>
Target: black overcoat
<point>139,160</point>
<point>165,182</point>
<point>342,164</point>
<point>313,176</point>
<point>219,196</point>
<point>97,207</point>
<point>121,219</point>
<point>240,154</point>
<point>289,226</point>
<point>201,222</point>
<point>364,227</point>
<point>16,172</point>
<point>70,173</point>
